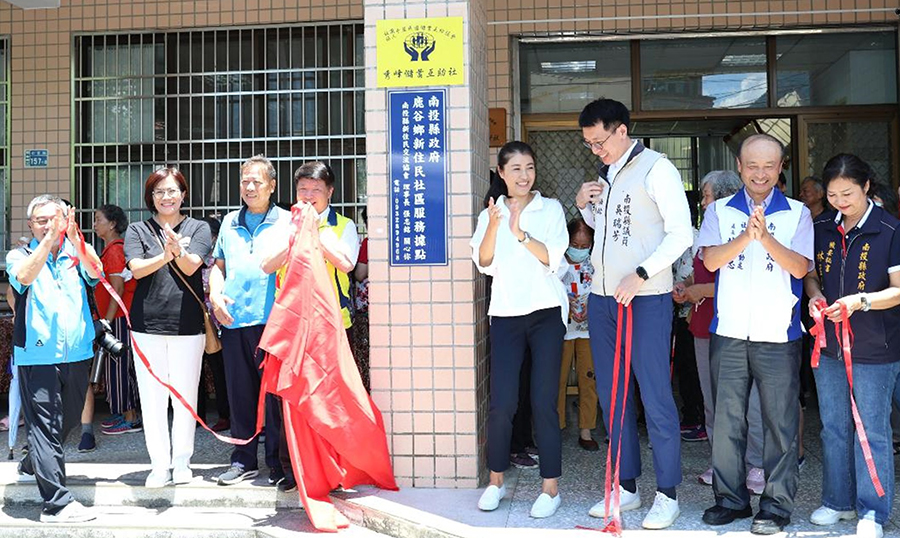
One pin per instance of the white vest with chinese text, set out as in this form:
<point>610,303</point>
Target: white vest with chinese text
<point>755,298</point>
<point>627,229</point>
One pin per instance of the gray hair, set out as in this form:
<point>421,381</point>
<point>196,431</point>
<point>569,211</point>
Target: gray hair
<point>42,200</point>
<point>817,183</point>
<point>722,183</point>
<point>260,160</point>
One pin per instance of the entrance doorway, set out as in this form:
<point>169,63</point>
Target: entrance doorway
<point>698,146</point>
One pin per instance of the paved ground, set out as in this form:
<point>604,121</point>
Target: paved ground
<point>581,486</point>
<point>113,474</point>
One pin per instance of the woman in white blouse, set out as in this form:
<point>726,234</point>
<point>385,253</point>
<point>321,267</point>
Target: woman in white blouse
<point>520,241</point>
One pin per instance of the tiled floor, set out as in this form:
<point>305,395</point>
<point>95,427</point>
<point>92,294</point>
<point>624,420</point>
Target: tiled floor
<point>581,485</point>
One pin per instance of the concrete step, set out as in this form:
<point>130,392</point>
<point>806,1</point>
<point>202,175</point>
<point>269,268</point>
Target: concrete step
<point>180,522</point>
<point>123,485</point>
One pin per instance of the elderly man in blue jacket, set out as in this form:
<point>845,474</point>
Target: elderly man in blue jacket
<point>52,343</point>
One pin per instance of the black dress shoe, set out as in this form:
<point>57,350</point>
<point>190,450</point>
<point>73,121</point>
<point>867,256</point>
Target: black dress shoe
<point>719,515</point>
<point>588,444</point>
<point>768,523</point>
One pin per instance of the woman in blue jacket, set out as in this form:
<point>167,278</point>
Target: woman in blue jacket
<point>858,266</point>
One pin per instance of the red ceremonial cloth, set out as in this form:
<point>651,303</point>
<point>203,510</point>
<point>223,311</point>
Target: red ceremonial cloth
<point>335,433</point>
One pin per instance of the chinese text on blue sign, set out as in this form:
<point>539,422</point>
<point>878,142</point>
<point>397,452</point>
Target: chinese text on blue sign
<point>418,177</point>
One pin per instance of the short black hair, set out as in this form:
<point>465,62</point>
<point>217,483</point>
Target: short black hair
<point>114,213</point>
<point>214,224</point>
<point>315,170</point>
<point>609,112</point>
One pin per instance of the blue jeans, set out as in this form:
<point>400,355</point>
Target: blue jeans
<point>843,461</point>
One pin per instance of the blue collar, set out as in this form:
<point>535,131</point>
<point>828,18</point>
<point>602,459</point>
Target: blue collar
<point>241,220</point>
<point>777,203</point>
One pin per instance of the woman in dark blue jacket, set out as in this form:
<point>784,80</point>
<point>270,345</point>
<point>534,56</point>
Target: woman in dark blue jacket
<point>858,266</point>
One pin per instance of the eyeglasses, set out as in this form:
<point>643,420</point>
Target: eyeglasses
<point>161,193</point>
<point>41,221</point>
<point>597,145</point>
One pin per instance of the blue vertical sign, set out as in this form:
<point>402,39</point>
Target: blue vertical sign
<point>418,177</point>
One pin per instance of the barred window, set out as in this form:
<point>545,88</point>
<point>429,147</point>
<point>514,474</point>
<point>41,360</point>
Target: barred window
<point>206,100</point>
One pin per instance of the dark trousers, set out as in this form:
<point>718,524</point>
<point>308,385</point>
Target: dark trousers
<point>542,332</point>
<point>735,365</point>
<point>213,363</point>
<point>243,376</point>
<point>52,400</point>
<point>688,378</point>
<point>652,318</point>
<point>522,433</point>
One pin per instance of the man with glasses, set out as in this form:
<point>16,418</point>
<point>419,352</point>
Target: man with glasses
<point>642,224</point>
<point>52,343</point>
<point>242,296</point>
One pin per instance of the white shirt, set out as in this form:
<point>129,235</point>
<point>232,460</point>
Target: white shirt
<point>347,243</point>
<point>522,284</point>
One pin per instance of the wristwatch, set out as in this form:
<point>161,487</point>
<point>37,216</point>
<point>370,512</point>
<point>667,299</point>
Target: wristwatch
<point>866,305</point>
<point>526,239</point>
<point>641,272</point>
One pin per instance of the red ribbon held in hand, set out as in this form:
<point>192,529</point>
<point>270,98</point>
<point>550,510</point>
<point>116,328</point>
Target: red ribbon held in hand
<point>613,522</point>
<point>844,334</point>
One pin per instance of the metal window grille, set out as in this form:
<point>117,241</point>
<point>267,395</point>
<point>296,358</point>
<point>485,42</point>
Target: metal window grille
<point>205,101</point>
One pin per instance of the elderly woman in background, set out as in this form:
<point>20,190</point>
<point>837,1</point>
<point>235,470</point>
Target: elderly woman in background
<point>110,222</point>
<point>699,291</point>
<point>165,254</point>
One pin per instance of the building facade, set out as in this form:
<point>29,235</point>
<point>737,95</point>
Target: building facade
<point>113,89</point>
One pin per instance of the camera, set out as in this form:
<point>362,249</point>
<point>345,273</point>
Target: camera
<point>107,344</point>
<point>105,339</point>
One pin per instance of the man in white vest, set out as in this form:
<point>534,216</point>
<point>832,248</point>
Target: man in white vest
<point>642,224</point>
<point>761,244</point>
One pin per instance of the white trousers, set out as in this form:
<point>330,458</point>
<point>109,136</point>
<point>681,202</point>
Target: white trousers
<point>175,360</point>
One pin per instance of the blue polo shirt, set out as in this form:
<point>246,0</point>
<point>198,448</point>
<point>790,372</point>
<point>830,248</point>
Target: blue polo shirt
<point>243,250</point>
<point>53,319</point>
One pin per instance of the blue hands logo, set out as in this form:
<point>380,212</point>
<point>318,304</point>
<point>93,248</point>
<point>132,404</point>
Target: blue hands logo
<point>419,46</point>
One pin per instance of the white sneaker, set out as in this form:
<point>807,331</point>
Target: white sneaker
<point>491,498</point>
<point>826,516</point>
<point>867,528</point>
<point>706,477</point>
<point>627,501</point>
<point>157,479</point>
<point>663,513</point>
<point>545,505</point>
<point>74,512</point>
<point>756,481</point>
<point>182,475</point>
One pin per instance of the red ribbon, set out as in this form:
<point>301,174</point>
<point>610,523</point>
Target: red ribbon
<point>613,524</point>
<point>844,334</point>
<point>818,331</point>
<point>260,411</point>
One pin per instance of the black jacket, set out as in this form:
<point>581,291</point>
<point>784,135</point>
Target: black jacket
<point>872,249</point>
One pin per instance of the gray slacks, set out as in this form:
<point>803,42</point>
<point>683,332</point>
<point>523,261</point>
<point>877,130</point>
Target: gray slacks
<point>775,368</point>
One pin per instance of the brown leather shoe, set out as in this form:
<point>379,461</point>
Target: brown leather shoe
<point>588,444</point>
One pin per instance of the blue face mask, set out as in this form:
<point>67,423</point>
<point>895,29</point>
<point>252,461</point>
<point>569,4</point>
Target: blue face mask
<point>578,255</point>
